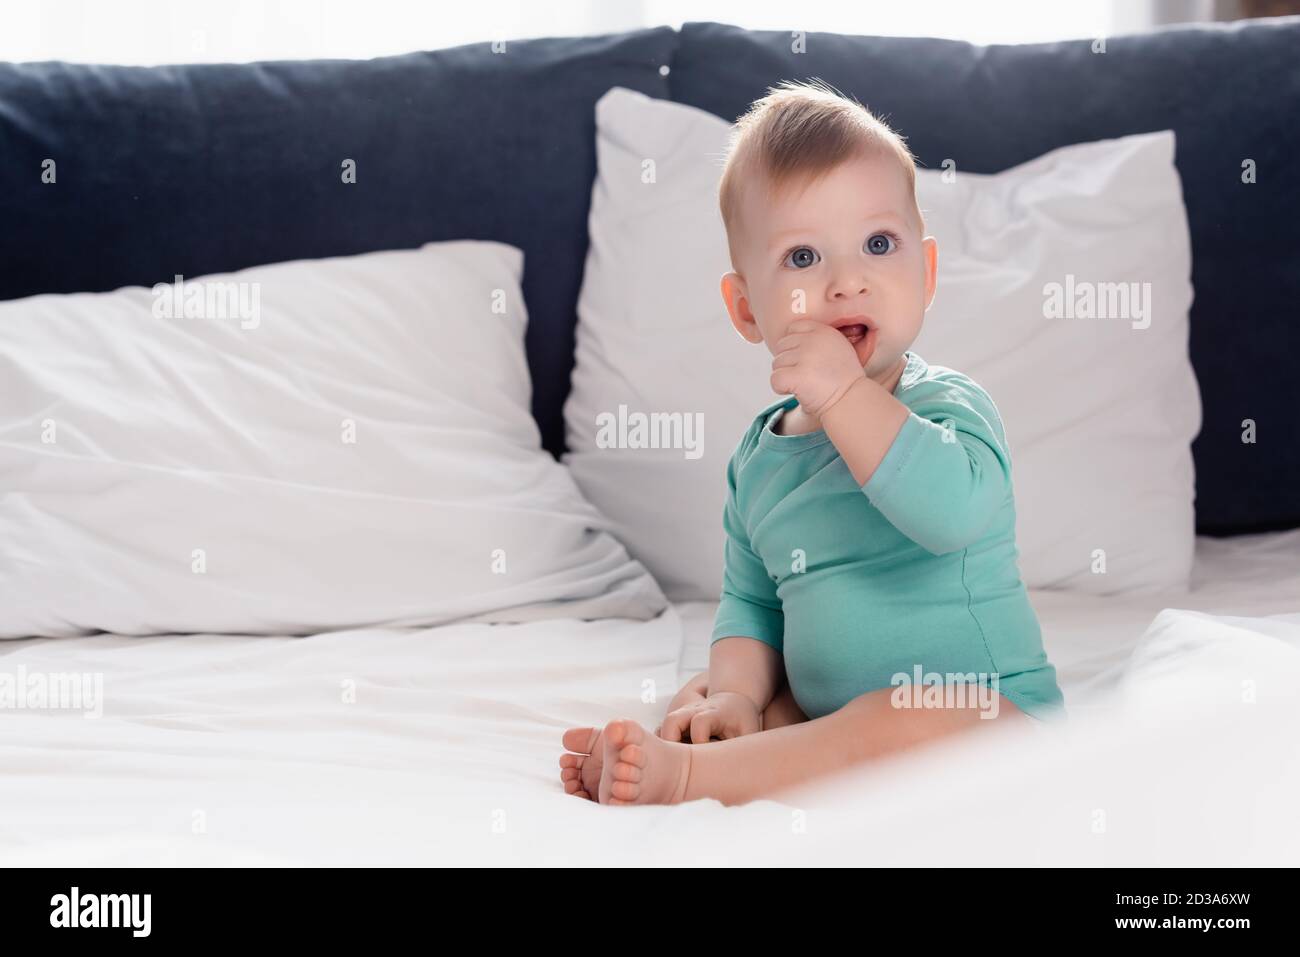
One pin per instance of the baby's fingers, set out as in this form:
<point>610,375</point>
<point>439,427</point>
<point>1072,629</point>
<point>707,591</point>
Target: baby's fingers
<point>675,723</point>
<point>783,382</point>
<point>706,723</point>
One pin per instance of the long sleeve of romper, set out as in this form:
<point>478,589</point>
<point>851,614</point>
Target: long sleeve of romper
<point>948,471</point>
<point>749,606</point>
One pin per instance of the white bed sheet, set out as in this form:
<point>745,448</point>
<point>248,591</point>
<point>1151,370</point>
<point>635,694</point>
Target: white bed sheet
<point>235,750</point>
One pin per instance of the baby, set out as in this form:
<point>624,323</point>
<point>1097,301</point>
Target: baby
<point>871,598</point>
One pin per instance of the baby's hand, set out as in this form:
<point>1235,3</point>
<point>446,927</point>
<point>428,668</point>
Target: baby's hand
<point>727,714</point>
<point>815,364</point>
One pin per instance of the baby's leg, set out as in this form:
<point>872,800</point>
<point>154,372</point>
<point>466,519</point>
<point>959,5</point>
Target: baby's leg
<point>640,768</point>
<point>868,728</point>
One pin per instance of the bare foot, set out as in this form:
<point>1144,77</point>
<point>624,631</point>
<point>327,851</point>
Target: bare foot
<point>580,771</point>
<point>640,768</point>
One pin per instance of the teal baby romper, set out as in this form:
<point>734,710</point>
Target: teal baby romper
<point>914,573</point>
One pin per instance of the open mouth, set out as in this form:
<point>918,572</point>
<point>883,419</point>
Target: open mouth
<point>854,333</point>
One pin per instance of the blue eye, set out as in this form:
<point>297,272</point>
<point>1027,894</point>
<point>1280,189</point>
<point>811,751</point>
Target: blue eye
<point>881,243</point>
<point>803,256</point>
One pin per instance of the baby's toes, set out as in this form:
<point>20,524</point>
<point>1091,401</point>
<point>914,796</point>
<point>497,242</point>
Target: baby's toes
<point>571,775</point>
<point>627,791</point>
<point>581,740</point>
<point>623,771</point>
<point>631,756</point>
<point>587,761</point>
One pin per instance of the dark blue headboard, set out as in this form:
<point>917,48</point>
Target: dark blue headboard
<point>208,168</point>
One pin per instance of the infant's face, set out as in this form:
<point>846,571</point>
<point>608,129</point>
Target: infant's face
<point>844,246</point>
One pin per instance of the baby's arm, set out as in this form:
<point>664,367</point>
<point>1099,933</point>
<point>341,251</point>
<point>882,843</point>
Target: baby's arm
<point>863,424</point>
<point>937,468</point>
<point>945,470</point>
<point>744,666</point>
<point>742,681</point>
<point>748,628</point>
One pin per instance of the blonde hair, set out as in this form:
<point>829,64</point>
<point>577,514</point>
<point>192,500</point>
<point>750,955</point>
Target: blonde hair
<point>800,131</point>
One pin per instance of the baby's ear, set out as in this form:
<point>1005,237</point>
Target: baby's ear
<point>930,254</point>
<point>736,297</point>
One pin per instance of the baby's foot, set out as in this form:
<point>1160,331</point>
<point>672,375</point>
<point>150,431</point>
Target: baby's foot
<point>580,772</point>
<point>640,768</point>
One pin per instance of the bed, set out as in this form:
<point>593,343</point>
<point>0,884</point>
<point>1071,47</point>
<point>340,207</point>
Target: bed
<point>236,750</point>
<point>231,504</point>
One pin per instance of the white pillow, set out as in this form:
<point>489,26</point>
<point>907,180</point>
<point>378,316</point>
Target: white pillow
<point>350,446</point>
<point>1100,415</point>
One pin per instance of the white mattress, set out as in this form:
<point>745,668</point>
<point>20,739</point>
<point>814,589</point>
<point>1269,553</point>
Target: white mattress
<point>236,750</point>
